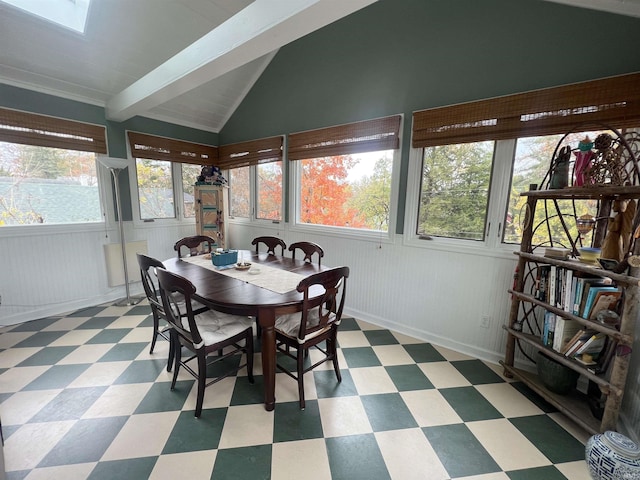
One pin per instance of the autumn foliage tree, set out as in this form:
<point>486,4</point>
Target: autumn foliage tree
<point>325,192</point>
<point>270,191</point>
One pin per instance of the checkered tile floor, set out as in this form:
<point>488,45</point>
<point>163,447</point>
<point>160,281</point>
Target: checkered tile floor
<point>81,398</point>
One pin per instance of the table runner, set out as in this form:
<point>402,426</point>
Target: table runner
<point>274,279</point>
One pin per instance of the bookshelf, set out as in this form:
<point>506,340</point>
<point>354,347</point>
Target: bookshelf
<point>526,318</point>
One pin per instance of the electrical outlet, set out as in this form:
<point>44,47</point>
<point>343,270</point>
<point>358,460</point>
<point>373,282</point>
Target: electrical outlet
<point>485,321</point>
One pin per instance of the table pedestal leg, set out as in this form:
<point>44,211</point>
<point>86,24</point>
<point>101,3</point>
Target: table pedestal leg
<point>266,320</point>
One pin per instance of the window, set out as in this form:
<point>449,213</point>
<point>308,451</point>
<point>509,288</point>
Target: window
<point>346,190</point>
<point>255,178</point>
<point>460,187</point>
<point>166,171</point>
<point>344,174</point>
<point>239,192</point>
<point>454,193</point>
<point>269,191</point>
<point>155,189</point>
<point>189,174</point>
<point>47,185</point>
<point>71,14</point>
<point>268,180</point>
<point>48,169</point>
<point>530,165</point>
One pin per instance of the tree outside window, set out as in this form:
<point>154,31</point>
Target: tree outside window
<point>47,185</point>
<point>346,190</point>
<point>454,193</point>
<point>269,186</point>
<point>189,177</point>
<point>239,192</point>
<point>155,189</point>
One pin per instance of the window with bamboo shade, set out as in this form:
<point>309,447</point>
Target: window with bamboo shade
<point>344,174</point>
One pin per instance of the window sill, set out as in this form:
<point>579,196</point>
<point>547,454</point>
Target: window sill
<point>467,247</point>
<point>342,232</point>
<point>57,229</point>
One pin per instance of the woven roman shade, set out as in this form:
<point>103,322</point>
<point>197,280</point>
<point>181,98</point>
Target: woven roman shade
<point>253,152</point>
<point>613,102</point>
<point>359,137</point>
<point>41,130</point>
<point>179,151</point>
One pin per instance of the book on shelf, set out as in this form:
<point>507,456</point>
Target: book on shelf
<point>551,296</point>
<point>604,300</point>
<point>539,290</point>
<point>565,330</point>
<point>572,341</point>
<point>586,285</point>
<point>591,296</point>
<point>578,341</point>
<point>594,345</point>
<point>570,291</point>
<point>548,329</point>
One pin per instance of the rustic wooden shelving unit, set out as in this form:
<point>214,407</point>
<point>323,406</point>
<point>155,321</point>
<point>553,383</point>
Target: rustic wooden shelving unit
<point>521,327</point>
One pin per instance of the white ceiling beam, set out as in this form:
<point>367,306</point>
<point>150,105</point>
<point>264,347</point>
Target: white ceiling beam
<point>260,28</point>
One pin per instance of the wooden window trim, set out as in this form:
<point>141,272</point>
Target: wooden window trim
<point>161,148</point>
<point>359,137</point>
<point>252,152</point>
<point>612,102</point>
<point>44,131</point>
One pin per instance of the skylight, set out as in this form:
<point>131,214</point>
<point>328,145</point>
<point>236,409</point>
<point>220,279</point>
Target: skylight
<point>71,14</point>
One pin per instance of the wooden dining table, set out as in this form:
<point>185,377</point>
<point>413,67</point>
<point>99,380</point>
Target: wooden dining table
<point>239,297</point>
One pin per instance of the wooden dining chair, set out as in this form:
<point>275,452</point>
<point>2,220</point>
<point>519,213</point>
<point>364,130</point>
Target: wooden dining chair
<point>148,266</point>
<point>197,245</point>
<point>202,334</point>
<point>318,321</point>
<point>271,242</point>
<point>309,249</point>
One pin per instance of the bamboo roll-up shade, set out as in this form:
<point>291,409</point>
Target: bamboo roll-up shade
<point>179,151</point>
<point>41,130</point>
<point>251,152</point>
<point>612,102</point>
<point>359,137</point>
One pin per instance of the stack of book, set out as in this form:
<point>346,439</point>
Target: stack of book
<point>573,293</point>
<point>568,290</point>
<point>590,348</point>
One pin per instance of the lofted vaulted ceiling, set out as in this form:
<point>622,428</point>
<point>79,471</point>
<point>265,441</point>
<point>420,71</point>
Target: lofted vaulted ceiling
<point>188,62</point>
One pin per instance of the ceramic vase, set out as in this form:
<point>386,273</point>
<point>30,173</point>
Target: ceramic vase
<point>612,456</point>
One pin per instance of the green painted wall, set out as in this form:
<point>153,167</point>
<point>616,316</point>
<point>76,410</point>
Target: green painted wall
<point>35,102</point>
<point>398,56</point>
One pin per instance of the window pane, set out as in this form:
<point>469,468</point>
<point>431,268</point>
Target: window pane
<point>155,188</point>
<point>239,200</point>
<point>454,194</point>
<point>47,185</point>
<point>269,191</point>
<point>190,175</point>
<point>347,190</point>
<point>530,165</point>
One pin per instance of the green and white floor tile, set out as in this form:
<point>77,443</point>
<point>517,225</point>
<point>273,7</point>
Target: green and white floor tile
<point>82,398</point>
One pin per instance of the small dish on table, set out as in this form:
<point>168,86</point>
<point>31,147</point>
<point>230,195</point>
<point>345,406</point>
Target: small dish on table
<point>243,265</point>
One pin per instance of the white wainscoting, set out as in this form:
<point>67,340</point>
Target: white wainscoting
<point>44,274</point>
<point>113,260</point>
